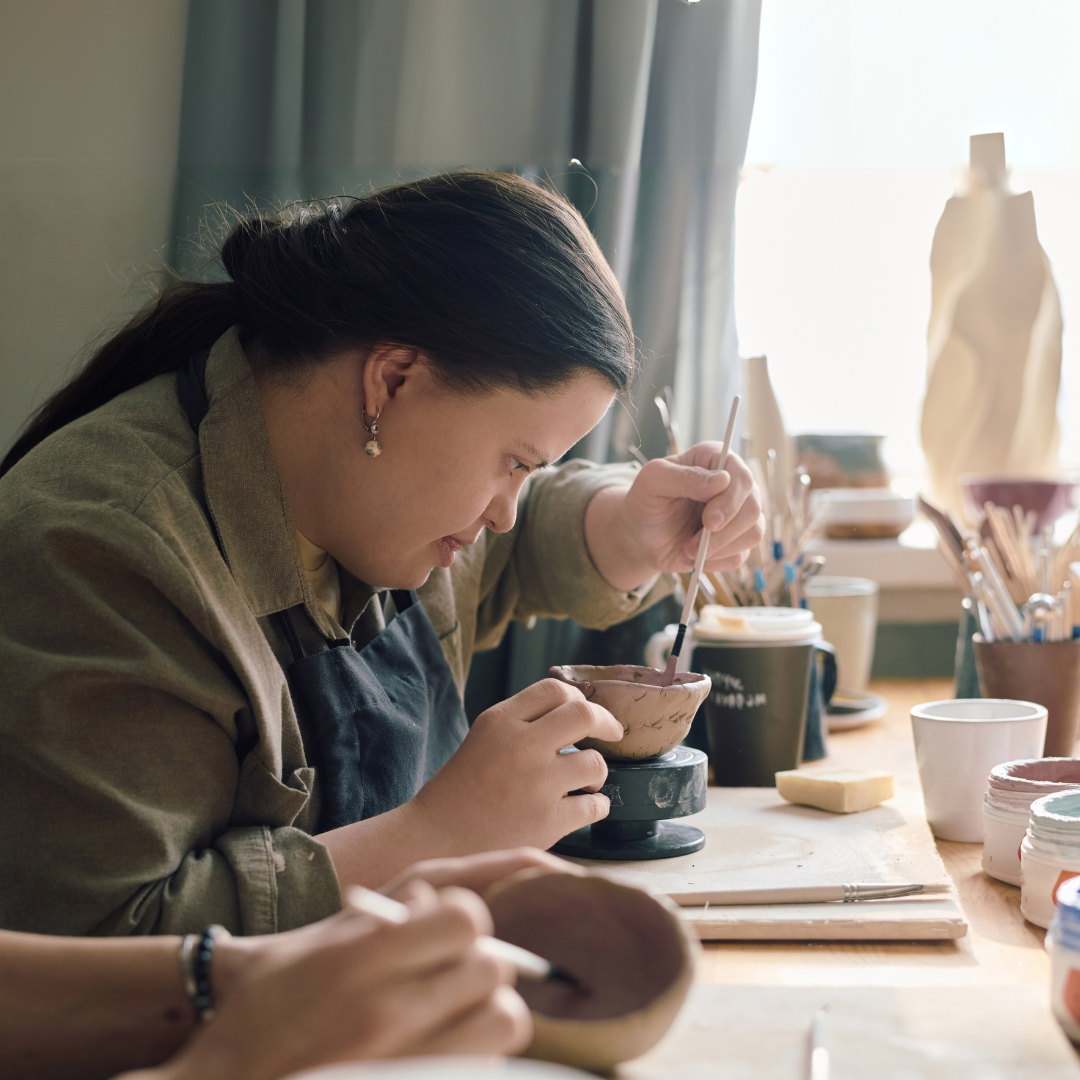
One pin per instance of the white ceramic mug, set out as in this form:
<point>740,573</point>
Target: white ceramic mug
<point>957,743</point>
<point>847,609</point>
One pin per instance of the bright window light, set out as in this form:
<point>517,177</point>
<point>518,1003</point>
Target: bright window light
<point>859,135</point>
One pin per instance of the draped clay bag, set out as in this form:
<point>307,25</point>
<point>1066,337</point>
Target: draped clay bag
<point>630,951</point>
<point>994,340</point>
<point>655,718</point>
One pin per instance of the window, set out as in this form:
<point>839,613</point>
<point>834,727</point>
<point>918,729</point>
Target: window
<point>859,135</point>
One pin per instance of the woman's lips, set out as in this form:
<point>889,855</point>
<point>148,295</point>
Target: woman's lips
<point>448,548</point>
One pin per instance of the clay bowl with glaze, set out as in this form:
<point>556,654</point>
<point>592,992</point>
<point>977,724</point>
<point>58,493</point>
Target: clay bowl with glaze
<point>655,718</point>
<point>630,951</point>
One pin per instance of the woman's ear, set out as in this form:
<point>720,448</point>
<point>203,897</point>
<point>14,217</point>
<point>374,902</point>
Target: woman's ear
<point>387,368</point>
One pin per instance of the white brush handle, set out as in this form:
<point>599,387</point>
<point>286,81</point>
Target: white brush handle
<point>703,546</point>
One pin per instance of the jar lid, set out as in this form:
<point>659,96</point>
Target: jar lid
<point>1046,775</point>
<point>1062,807</point>
<point>1014,785</point>
<point>1055,820</point>
<point>716,623</point>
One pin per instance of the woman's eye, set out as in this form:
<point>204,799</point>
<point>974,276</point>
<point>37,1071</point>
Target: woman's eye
<point>515,465</point>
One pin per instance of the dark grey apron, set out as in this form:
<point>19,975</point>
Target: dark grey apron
<point>383,718</point>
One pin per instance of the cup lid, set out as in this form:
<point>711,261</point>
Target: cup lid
<point>716,623</point>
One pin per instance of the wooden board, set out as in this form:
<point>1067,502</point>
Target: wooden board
<point>755,840</point>
<point>888,1033</point>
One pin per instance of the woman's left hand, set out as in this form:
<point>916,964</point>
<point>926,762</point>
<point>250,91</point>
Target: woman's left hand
<point>655,524</point>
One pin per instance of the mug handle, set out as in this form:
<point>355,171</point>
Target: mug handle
<point>828,670</point>
<point>658,648</point>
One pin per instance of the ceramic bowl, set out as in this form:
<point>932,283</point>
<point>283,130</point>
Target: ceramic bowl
<point>630,951</point>
<point>1048,498</point>
<point>655,718</point>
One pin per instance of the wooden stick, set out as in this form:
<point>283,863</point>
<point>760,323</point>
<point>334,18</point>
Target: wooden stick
<point>723,591</point>
<point>365,902</point>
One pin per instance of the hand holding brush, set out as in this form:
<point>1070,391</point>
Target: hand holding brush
<point>699,563</point>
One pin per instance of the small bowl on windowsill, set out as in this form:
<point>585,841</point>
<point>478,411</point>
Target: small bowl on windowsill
<point>865,513</point>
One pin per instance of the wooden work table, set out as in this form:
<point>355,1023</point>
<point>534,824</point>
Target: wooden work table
<point>1000,948</point>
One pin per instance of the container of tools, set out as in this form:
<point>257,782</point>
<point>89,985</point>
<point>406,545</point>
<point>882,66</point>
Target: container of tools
<point>1021,595</point>
<point>1045,672</point>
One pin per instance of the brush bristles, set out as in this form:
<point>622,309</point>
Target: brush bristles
<point>937,887</point>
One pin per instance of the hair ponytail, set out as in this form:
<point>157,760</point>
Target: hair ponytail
<point>497,280</point>
<point>185,317</point>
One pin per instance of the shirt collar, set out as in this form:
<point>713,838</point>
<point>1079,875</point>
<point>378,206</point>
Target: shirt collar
<point>244,492</point>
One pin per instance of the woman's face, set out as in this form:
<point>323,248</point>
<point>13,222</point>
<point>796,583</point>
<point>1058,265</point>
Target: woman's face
<point>450,465</point>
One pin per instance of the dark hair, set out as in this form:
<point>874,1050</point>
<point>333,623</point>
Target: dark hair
<point>496,279</point>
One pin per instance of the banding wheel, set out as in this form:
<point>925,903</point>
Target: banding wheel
<point>645,795</point>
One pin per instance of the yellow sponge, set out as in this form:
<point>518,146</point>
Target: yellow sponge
<point>843,791</point>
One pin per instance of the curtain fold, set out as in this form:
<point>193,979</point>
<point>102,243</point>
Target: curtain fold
<point>287,99</point>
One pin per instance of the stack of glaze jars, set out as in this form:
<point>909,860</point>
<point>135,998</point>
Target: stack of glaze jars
<point>1012,788</point>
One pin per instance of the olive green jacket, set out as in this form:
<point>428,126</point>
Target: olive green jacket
<point>153,773</point>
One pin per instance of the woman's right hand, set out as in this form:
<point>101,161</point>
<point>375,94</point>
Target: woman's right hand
<point>353,988</point>
<point>509,785</point>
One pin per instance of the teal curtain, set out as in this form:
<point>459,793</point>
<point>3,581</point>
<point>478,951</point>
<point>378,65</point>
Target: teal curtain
<point>639,110</point>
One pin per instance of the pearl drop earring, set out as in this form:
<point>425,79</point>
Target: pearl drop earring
<point>373,447</point>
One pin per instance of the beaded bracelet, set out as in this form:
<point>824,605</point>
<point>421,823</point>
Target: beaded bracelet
<point>196,952</point>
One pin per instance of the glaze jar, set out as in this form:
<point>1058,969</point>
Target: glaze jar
<point>1063,945</point>
<point>1049,854</point>
<point>1013,787</point>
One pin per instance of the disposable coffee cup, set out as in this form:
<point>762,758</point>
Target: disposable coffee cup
<point>753,724</point>
<point>847,608</point>
<point>957,743</point>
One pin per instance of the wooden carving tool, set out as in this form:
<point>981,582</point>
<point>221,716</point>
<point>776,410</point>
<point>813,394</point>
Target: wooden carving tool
<point>389,910</point>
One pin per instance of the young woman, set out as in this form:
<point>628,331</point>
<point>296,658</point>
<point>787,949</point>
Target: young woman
<point>344,989</point>
<point>251,548</point>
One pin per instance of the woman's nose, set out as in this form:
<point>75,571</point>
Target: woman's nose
<point>501,513</point>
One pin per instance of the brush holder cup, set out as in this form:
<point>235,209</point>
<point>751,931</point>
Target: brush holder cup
<point>1045,672</point>
<point>651,778</point>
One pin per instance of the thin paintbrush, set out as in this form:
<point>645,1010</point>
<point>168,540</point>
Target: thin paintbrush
<point>806,894</point>
<point>699,563</point>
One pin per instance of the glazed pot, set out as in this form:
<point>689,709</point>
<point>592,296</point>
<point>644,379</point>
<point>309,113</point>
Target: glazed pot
<point>655,718</point>
<point>631,952</point>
